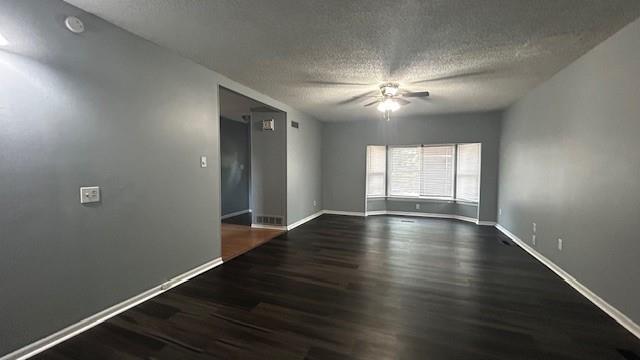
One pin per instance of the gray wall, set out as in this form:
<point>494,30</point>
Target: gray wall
<point>570,161</point>
<point>269,166</point>
<point>102,108</point>
<point>426,206</point>
<point>344,153</point>
<point>235,165</point>
<point>304,169</point>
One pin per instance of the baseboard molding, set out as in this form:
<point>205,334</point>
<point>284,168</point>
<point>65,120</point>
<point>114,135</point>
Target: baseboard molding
<point>616,314</point>
<point>302,221</point>
<point>345,213</point>
<point>270,227</point>
<point>420,214</point>
<point>98,318</point>
<point>230,215</point>
<point>486,223</point>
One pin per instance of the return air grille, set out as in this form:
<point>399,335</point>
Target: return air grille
<point>269,220</point>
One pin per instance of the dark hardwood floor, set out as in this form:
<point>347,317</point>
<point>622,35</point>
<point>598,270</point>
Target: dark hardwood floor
<point>366,288</point>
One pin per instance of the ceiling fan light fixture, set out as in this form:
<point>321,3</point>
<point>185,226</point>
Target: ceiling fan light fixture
<point>389,89</point>
<point>388,105</point>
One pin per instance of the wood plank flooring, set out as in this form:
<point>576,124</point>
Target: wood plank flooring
<point>366,288</point>
<point>238,239</point>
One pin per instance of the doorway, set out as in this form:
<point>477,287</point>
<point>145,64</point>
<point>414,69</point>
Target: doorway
<point>252,167</point>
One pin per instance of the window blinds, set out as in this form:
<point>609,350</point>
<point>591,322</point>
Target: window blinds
<point>376,170</point>
<point>437,171</point>
<point>468,172</point>
<point>424,171</point>
<point>404,170</point>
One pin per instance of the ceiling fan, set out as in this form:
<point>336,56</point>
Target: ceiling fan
<point>391,98</point>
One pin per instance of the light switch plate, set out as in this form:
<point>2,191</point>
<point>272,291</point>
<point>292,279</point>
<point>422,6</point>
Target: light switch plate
<point>203,161</point>
<point>89,194</point>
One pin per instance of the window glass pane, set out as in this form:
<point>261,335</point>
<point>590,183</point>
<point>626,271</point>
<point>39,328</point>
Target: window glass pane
<point>468,174</point>
<point>376,170</point>
<point>437,171</point>
<point>404,171</point>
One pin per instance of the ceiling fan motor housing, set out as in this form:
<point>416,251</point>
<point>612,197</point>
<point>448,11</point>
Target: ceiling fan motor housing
<point>389,89</point>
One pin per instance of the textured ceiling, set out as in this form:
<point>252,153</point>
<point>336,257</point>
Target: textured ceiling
<point>292,50</point>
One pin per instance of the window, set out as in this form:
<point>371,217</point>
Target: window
<point>404,171</point>
<point>376,171</point>
<point>424,171</point>
<point>468,172</point>
<point>437,171</point>
<point>421,171</point>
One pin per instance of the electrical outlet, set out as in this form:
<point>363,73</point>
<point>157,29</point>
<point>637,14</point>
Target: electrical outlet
<point>560,244</point>
<point>417,206</point>
<point>315,203</point>
<point>533,240</point>
<point>535,226</point>
<point>203,161</point>
<point>500,211</point>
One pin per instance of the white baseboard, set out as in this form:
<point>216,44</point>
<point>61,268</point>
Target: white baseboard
<point>302,221</point>
<point>270,227</point>
<point>616,314</point>
<point>230,215</point>
<point>486,223</point>
<point>346,213</point>
<point>98,318</point>
<point>420,214</point>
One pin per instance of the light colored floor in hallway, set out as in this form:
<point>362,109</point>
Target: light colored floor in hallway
<point>238,239</point>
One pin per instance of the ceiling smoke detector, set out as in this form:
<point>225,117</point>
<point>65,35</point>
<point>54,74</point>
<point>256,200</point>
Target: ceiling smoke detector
<point>74,24</point>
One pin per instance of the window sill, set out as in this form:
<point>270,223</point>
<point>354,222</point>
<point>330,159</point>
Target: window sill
<point>423,199</point>
<point>376,198</point>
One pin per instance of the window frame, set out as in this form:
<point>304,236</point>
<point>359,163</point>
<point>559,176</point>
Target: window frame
<point>384,174</point>
<point>388,190</point>
<point>453,173</point>
<point>464,200</point>
<point>453,199</point>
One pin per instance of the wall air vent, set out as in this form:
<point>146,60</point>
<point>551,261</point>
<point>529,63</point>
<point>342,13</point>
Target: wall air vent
<point>269,220</point>
<point>295,124</point>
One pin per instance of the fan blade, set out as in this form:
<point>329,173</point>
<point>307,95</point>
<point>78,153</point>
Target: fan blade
<point>455,76</point>
<point>330,83</point>
<point>372,103</point>
<point>416,94</point>
<point>368,94</point>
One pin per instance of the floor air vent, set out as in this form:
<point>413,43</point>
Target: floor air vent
<point>505,242</point>
<point>269,220</point>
